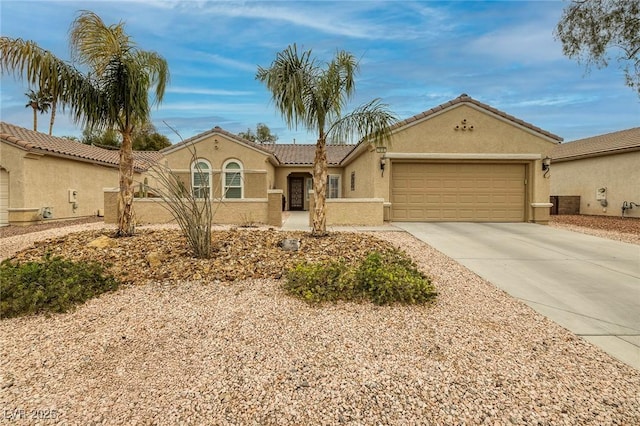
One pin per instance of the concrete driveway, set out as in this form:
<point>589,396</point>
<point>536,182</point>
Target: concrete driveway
<point>587,284</point>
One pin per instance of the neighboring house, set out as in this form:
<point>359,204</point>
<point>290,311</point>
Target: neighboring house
<point>460,161</point>
<point>46,177</point>
<point>604,171</point>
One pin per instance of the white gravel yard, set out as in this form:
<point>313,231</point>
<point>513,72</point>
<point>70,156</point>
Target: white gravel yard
<point>245,353</point>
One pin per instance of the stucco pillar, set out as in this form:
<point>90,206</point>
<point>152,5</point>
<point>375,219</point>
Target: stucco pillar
<point>274,215</point>
<point>110,205</point>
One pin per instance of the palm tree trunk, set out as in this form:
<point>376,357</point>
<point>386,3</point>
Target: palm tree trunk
<point>126,225</point>
<point>35,116</point>
<point>320,189</point>
<point>53,116</point>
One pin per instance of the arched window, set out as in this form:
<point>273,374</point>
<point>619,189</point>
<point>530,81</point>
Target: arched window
<point>233,187</point>
<point>201,178</point>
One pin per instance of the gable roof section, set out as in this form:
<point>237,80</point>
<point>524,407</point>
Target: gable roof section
<point>303,154</point>
<point>220,131</point>
<point>466,99</point>
<point>462,99</point>
<point>41,143</point>
<point>595,146</point>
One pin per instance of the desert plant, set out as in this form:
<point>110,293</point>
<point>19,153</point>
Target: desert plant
<point>320,282</point>
<point>50,285</point>
<point>390,277</point>
<point>383,278</point>
<point>192,209</point>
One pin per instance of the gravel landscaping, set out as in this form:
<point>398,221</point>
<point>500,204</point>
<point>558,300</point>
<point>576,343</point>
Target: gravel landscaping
<point>625,229</point>
<point>219,342</point>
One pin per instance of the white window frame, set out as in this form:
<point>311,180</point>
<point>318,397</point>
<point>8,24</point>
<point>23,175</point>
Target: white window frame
<point>337,179</point>
<point>308,185</point>
<point>195,189</point>
<point>226,187</point>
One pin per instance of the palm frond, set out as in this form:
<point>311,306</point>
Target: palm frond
<point>95,44</point>
<point>372,121</point>
<point>290,79</point>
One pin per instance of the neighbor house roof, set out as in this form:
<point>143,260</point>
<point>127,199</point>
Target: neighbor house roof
<point>595,146</point>
<point>303,154</point>
<point>464,98</point>
<point>41,143</point>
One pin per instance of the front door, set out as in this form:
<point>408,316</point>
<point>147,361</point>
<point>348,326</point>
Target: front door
<point>296,193</point>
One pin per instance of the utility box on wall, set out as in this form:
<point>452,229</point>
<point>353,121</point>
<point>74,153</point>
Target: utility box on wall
<point>565,204</point>
<point>73,196</point>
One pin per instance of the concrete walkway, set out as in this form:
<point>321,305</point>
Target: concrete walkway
<point>299,221</point>
<point>587,284</point>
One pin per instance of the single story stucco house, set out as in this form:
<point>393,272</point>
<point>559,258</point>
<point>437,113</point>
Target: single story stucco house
<point>44,177</point>
<point>460,161</point>
<point>601,173</point>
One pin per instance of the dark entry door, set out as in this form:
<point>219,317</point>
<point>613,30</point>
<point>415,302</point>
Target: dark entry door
<point>296,193</point>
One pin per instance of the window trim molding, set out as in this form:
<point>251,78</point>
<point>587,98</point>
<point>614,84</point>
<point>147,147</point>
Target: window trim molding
<point>193,170</point>
<point>224,178</point>
<point>339,178</point>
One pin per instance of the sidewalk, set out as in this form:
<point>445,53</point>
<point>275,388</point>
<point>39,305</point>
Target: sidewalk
<point>299,221</point>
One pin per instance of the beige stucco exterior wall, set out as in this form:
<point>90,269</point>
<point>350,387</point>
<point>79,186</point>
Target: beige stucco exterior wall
<point>37,181</point>
<point>491,134</point>
<point>217,149</point>
<point>352,211</point>
<point>619,174</point>
<point>239,212</point>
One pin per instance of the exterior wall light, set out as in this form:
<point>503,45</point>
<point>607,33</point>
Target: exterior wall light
<point>382,150</point>
<point>546,165</point>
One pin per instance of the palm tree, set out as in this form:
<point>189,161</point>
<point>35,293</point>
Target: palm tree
<point>308,94</point>
<point>114,93</point>
<point>40,102</point>
<point>54,107</point>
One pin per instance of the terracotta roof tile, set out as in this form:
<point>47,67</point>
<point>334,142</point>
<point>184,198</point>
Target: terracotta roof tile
<point>303,154</point>
<point>53,145</point>
<point>464,98</point>
<point>609,143</point>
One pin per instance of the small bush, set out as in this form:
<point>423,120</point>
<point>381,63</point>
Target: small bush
<point>320,282</point>
<point>383,278</point>
<point>51,285</point>
<point>391,277</point>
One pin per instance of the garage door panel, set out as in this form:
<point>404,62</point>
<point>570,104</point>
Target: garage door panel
<point>458,192</point>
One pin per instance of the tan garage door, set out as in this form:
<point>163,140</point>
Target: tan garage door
<point>4,197</point>
<point>457,192</point>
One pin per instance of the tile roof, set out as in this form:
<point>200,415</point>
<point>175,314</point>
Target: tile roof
<point>607,144</point>
<point>303,154</point>
<point>464,98</point>
<point>32,141</point>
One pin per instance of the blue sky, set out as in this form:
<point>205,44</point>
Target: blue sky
<point>413,55</point>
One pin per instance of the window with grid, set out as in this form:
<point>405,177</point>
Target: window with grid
<point>201,179</point>
<point>233,180</point>
<point>333,186</point>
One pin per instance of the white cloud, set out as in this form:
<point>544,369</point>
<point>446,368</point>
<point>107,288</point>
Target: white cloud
<point>525,44</point>
<point>211,92</point>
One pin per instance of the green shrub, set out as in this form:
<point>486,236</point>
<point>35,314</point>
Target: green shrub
<point>383,278</point>
<point>320,282</point>
<point>50,285</point>
<point>391,277</point>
